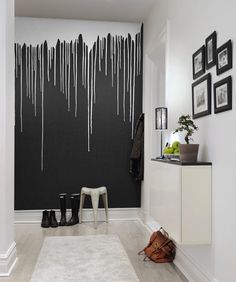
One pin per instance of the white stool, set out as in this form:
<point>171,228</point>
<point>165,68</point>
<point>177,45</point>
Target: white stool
<point>94,193</point>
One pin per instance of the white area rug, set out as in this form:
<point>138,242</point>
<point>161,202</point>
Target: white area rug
<point>99,258</point>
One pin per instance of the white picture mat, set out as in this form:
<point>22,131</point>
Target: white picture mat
<point>222,95</point>
<point>223,58</point>
<point>200,97</point>
<point>210,51</point>
<point>198,63</point>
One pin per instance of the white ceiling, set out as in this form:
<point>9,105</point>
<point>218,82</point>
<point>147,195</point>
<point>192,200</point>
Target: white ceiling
<point>105,10</point>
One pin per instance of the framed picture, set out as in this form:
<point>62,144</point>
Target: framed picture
<point>201,97</point>
<point>199,62</point>
<point>211,50</point>
<point>224,58</point>
<point>223,95</point>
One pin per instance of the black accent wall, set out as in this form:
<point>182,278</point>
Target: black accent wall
<point>65,140</point>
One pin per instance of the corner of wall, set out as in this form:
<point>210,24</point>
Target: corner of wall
<point>8,261</point>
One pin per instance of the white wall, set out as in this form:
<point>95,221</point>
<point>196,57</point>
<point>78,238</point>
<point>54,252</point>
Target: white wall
<point>190,22</point>
<point>35,31</point>
<point>7,244</point>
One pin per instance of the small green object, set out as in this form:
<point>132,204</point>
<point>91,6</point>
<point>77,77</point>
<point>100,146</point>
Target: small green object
<point>175,145</point>
<point>176,152</point>
<point>168,151</point>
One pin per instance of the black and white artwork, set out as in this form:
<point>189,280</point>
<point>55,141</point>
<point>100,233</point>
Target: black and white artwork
<point>75,115</point>
<point>211,50</point>
<point>224,58</point>
<point>223,95</point>
<point>70,63</point>
<point>201,97</point>
<point>199,62</point>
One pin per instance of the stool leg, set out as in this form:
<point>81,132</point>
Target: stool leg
<point>82,198</point>
<point>105,203</point>
<point>95,200</point>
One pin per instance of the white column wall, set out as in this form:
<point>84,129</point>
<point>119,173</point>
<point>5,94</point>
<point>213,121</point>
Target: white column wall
<point>190,22</point>
<point>7,244</point>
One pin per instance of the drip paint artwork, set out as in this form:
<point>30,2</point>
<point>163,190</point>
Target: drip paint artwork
<point>69,64</point>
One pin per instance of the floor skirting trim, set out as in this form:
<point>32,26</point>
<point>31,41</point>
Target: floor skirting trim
<point>35,216</point>
<point>8,260</point>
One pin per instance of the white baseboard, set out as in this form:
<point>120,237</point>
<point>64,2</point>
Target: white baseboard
<point>8,260</point>
<point>190,269</point>
<point>35,216</point>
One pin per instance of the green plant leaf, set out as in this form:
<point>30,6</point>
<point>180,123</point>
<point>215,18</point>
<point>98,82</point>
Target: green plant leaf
<point>186,124</point>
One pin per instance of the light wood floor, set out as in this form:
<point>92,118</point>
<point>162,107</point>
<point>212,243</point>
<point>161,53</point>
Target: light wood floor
<point>133,235</point>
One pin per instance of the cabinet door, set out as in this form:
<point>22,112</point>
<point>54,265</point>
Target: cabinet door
<point>196,205</point>
<point>165,198</point>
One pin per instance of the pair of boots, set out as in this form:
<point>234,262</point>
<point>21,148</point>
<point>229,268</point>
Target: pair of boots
<point>74,198</point>
<point>49,219</point>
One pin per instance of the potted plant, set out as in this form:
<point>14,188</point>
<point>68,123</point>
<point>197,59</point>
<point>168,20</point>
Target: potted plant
<point>188,152</point>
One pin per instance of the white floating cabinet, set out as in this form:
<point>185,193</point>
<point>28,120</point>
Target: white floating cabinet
<point>180,200</point>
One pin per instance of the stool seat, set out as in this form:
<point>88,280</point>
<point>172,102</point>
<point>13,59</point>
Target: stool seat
<point>89,191</point>
<point>94,193</point>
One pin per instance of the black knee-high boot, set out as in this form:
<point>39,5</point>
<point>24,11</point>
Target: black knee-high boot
<point>62,198</point>
<point>74,210</point>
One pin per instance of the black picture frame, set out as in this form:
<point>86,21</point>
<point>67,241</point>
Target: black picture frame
<point>223,95</point>
<point>199,62</point>
<point>201,97</point>
<point>211,49</point>
<point>224,58</point>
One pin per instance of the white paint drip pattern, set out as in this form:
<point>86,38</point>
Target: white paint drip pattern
<point>124,52</point>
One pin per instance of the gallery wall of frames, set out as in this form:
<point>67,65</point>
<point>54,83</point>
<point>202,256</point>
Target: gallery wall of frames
<point>204,60</point>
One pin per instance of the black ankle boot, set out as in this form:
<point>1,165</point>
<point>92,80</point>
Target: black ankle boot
<point>45,219</point>
<point>62,198</point>
<point>74,210</point>
<point>53,220</point>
